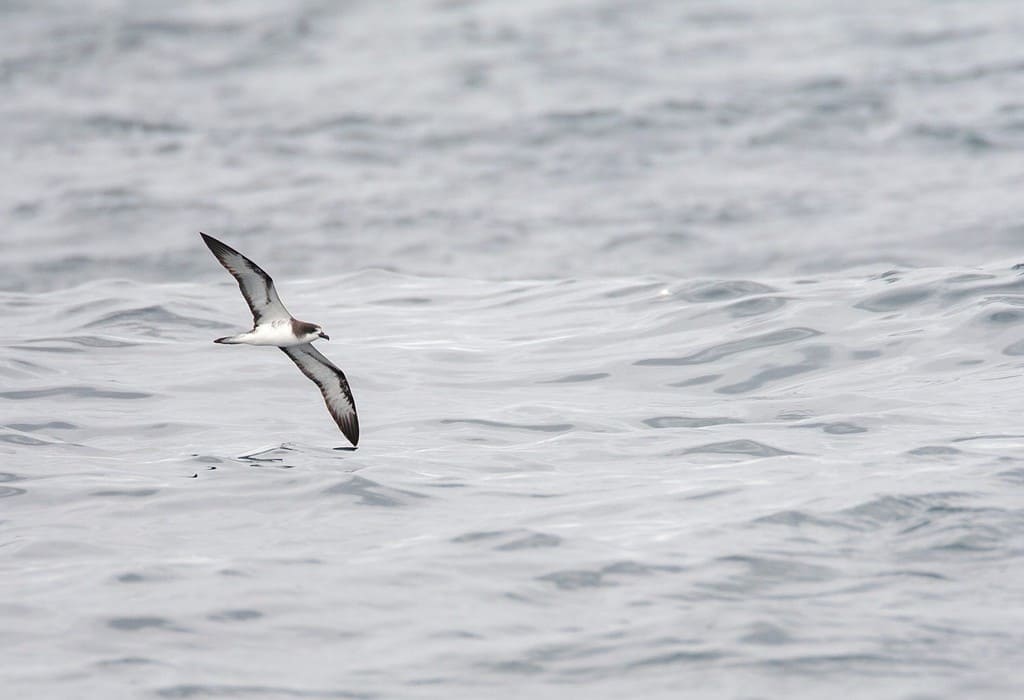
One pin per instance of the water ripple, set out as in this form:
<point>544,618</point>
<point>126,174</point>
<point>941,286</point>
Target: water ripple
<point>370,493</point>
<point>738,447</point>
<point>717,352</point>
<point>207,690</point>
<point>815,358</point>
<point>82,392</point>
<point>540,427</point>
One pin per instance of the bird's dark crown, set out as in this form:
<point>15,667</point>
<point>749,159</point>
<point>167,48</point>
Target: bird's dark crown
<point>301,328</point>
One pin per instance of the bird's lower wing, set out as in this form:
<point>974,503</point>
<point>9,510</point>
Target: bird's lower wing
<point>333,386</point>
<point>255,284</point>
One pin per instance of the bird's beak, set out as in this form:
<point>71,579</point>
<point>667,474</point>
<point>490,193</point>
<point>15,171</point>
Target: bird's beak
<point>324,336</point>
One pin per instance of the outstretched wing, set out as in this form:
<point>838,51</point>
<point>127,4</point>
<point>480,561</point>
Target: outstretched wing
<point>333,386</point>
<point>255,284</point>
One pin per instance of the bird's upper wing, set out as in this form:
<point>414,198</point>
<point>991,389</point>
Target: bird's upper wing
<point>256,285</point>
<point>333,386</point>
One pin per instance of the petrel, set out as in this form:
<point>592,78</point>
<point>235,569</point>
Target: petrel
<point>273,325</point>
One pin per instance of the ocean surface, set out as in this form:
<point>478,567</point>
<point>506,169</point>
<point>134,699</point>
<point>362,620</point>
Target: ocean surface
<point>687,341</point>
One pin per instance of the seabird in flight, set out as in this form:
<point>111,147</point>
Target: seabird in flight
<point>273,325</point>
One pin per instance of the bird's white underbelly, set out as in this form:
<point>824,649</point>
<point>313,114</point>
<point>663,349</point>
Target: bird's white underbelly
<point>277,333</point>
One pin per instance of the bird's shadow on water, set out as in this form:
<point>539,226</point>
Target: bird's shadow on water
<point>271,456</point>
<point>283,456</point>
<point>276,452</point>
<point>353,486</point>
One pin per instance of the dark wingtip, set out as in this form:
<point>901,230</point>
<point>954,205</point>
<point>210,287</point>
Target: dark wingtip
<point>217,247</point>
<point>350,428</point>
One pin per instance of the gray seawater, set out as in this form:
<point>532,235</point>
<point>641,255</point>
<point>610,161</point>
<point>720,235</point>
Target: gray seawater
<point>686,339</point>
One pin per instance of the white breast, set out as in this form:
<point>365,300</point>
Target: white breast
<point>277,333</point>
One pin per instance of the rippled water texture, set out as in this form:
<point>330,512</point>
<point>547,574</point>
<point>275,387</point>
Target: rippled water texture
<point>686,340</point>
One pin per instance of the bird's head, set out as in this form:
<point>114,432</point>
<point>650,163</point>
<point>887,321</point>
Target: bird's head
<point>308,332</point>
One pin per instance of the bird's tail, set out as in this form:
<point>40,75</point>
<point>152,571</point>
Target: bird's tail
<point>229,340</point>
